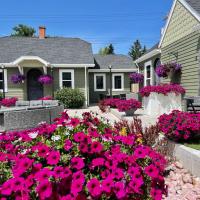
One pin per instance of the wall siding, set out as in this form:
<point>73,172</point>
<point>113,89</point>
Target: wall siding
<point>20,90</point>
<point>94,96</point>
<point>181,25</point>
<point>187,48</point>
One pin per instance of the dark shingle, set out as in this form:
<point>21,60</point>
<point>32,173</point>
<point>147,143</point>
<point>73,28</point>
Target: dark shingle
<point>56,50</point>
<point>195,4</point>
<point>117,61</point>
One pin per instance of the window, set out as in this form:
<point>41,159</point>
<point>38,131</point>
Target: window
<point>99,82</point>
<point>148,73</point>
<point>118,81</point>
<point>66,78</point>
<point>156,77</point>
<point>1,80</point>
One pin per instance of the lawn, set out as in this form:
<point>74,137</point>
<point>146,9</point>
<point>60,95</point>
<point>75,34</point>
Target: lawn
<point>193,145</point>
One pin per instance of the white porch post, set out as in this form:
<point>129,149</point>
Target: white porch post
<point>86,88</point>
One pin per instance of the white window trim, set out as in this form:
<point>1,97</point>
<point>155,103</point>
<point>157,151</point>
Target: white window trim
<point>5,80</point>
<point>113,81</point>
<point>60,77</point>
<point>149,63</point>
<point>95,82</point>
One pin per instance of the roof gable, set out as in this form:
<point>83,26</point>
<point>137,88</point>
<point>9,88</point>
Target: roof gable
<point>182,20</point>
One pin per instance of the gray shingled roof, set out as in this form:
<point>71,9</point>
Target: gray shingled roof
<point>117,61</point>
<point>195,4</point>
<point>55,50</point>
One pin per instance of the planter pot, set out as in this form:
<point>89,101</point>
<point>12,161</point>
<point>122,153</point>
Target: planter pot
<point>135,87</point>
<point>158,104</point>
<point>130,112</point>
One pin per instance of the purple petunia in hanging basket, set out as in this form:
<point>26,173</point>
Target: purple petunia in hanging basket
<point>17,78</point>
<point>136,77</point>
<point>45,79</point>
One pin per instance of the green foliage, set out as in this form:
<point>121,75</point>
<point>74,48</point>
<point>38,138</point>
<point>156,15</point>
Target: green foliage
<point>70,98</point>
<point>1,95</point>
<point>23,30</point>
<point>107,50</point>
<point>136,50</point>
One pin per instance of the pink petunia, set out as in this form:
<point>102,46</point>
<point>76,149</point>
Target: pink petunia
<point>97,162</point>
<point>107,185</point>
<point>79,175</point>
<point>43,174</point>
<point>119,189</point>
<point>53,158</point>
<point>58,172</point>
<point>140,152</point>
<point>96,147</point>
<point>44,189</point>
<point>7,188</point>
<point>79,137</point>
<point>18,184</point>
<point>74,122</point>
<point>94,187</point>
<point>77,163</point>
<point>68,145</point>
<point>76,187</point>
<point>152,171</point>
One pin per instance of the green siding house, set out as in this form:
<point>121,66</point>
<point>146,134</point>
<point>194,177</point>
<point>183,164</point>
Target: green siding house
<point>180,42</point>
<point>69,60</point>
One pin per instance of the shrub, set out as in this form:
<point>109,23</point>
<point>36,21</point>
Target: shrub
<point>180,126</point>
<point>78,158</point>
<point>162,89</point>
<point>70,98</point>
<point>8,102</point>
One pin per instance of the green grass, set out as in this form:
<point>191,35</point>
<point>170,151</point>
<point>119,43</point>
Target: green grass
<point>193,145</point>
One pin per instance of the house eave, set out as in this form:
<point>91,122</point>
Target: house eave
<point>148,55</point>
<point>113,70</point>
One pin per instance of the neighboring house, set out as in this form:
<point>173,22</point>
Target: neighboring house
<point>147,64</point>
<point>100,79</point>
<point>68,60</point>
<point>180,42</point>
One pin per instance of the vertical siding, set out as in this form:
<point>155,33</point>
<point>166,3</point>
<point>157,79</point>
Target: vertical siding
<point>187,49</point>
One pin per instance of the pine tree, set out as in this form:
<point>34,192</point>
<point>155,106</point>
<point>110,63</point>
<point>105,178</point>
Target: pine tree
<point>107,50</point>
<point>136,50</point>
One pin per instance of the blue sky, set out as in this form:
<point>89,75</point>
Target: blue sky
<point>98,21</point>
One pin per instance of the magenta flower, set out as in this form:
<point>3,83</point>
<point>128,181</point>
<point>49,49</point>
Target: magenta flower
<point>74,122</point>
<point>119,189</point>
<point>79,176</point>
<point>79,137</point>
<point>107,185</point>
<point>7,188</point>
<point>44,189</point>
<point>96,147</point>
<point>140,152</point>
<point>77,163</point>
<point>18,184</point>
<point>43,174</point>
<point>151,171</point>
<point>94,187</point>
<point>58,172</point>
<point>136,77</point>
<point>76,187</point>
<point>53,158</point>
<point>68,145</point>
<point>45,79</point>
<point>97,162</point>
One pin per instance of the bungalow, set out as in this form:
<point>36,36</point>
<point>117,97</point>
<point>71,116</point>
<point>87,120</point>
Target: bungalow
<point>70,61</point>
<point>180,42</point>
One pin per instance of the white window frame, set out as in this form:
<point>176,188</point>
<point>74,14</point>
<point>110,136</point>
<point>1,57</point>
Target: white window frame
<point>5,80</point>
<point>113,81</point>
<point>95,82</point>
<point>61,71</point>
<point>147,64</point>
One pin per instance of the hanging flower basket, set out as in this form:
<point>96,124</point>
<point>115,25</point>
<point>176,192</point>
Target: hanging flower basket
<point>17,78</point>
<point>168,70</point>
<point>136,77</point>
<point>45,79</point>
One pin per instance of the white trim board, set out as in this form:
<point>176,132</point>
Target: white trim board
<point>122,81</point>
<point>112,70</point>
<point>187,6</point>
<point>95,82</point>
<point>60,76</point>
<point>5,80</point>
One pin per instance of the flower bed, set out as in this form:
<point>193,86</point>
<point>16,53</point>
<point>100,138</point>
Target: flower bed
<point>121,105</point>
<point>164,89</point>
<point>78,159</point>
<point>8,102</point>
<point>180,126</point>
